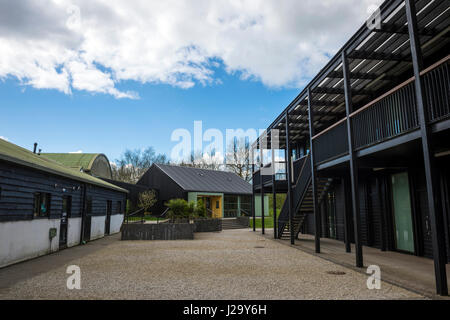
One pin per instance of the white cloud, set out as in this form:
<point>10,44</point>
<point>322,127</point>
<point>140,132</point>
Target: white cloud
<point>4,138</point>
<point>75,152</point>
<point>93,46</point>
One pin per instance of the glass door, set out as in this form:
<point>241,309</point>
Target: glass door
<point>401,201</point>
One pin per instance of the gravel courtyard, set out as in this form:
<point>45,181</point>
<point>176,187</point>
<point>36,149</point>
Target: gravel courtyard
<point>234,264</point>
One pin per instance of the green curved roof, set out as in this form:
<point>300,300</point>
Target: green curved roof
<point>74,160</point>
<point>15,154</point>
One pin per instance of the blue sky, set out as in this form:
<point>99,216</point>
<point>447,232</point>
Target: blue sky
<point>96,76</point>
<point>101,123</point>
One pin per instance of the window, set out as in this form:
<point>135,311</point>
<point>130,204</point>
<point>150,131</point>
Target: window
<point>41,204</point>
<point>67,206</point>
<point>217,204</point>
<point>119,207</point>
<point>89,205</point>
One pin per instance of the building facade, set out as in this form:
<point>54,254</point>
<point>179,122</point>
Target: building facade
<point>224,194</point>
<point>45,206</point>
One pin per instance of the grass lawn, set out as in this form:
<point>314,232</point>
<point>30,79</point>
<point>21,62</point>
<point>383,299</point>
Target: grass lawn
<point>147,218</point>
<point>268,221</point>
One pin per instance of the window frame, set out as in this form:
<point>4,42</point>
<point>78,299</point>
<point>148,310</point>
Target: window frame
<point>38,198</point>
<point>68,204</point>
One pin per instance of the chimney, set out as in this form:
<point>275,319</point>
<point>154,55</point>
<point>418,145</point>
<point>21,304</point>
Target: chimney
<point>35,146</point>
<point>39,153</point>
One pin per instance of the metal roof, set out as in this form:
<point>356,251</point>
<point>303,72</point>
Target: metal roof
<point>379,60</point>
<point>15,154</point>
<point>204,180</point>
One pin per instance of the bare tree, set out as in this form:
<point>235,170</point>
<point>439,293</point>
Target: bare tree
<point>238,158</point>
<point>203,161</point>
<point>134,163</point>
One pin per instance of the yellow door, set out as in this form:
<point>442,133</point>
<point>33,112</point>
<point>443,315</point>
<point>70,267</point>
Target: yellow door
<point>213,205</point>
<point>216,204</point>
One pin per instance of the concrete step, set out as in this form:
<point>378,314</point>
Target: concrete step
<point>228,224</point>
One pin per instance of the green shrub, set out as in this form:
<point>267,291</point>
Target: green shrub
<point>178,208</point>
<point>200,210</point>
<point>181,209</point>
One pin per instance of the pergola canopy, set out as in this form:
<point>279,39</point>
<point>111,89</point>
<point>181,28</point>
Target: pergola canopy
<point>379,60</point>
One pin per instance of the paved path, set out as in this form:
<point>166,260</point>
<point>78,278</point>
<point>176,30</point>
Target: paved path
<point>233,264</point>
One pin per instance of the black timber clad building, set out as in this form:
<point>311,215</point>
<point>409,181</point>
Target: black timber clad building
<point>225,194</point>
<point>367,142</point>
<point>54,205</point>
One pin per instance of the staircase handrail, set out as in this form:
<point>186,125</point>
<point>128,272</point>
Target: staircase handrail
<point>303,181</point>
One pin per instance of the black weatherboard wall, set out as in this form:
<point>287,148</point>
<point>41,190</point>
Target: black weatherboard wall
<point>376,212</point>
<point>134,191</point>
<point>168,189</point>
<point>19,184</point>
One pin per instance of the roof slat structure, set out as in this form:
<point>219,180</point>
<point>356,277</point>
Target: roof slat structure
<point>379,61</point>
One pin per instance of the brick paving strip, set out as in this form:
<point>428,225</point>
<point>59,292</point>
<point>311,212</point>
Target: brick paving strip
<point>233,264</point>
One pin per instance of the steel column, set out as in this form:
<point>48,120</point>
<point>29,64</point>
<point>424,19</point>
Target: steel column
<point>353,163</point>
<point>253,192</point>
<point>317,216</point>
<point>288,158</point>
<point>431,173</point>
<point>274,192</point>
<point>261,146</point>
<point>347,205</point>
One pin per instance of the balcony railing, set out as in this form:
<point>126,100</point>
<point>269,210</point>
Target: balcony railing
<point>332,143</point>
<point>437,92</point>
<point>391,115</point>
<point>387,118</point>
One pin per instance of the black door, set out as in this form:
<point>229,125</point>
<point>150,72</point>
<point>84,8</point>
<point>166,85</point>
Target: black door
<point>65,215</point>
<point>108,217</point>
<point>87,228</point>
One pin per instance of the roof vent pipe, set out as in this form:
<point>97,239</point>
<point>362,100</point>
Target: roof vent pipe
<point>39,153</point>
<point>35,146</point>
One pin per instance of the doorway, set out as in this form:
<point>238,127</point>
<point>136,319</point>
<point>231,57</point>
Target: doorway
<point>108,217</point>
<point>401,203</point>
<point>213,205</point>
<point>65,215</point>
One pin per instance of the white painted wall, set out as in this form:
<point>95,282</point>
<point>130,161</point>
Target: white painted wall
<point>22,240</point>
<point>74,232</point>
<point>116,223</point>
<point>97,227</point>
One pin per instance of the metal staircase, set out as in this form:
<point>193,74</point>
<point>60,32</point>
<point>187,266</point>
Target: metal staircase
<point>302,200</point>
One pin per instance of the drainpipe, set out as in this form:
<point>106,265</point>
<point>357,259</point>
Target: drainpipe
<point>83,213</point>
